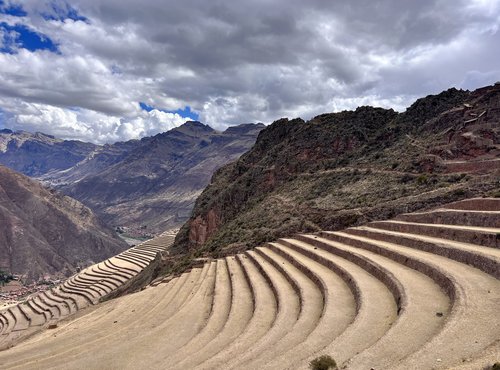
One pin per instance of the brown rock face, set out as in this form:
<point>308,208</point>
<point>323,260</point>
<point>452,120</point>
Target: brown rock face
<point>203,227</point>
<point>470,132</point>
<point>44,233</point>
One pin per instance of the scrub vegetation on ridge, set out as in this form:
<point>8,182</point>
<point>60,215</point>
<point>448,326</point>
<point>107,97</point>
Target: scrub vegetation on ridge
<point>343,169</point>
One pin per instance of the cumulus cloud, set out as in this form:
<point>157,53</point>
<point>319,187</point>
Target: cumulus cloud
<point>86,124</point>
<point>233,62</point>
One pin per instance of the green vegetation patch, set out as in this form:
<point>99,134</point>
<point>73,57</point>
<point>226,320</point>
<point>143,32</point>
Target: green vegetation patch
<point>5,277</point>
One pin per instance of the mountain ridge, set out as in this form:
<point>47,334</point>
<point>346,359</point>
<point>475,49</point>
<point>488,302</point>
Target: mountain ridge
<point>347,168</point>
<point>34,154</point>
<point>156,183</point>
<point>112,179</point>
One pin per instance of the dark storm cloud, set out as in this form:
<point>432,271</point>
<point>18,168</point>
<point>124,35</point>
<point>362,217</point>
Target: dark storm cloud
<point>241,61</point>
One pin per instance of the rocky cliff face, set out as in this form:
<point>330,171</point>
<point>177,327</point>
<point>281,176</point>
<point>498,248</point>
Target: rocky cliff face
<point>202,228</point>
<point>153,187</point>
<point>43,232</point>
<point>348,168</point>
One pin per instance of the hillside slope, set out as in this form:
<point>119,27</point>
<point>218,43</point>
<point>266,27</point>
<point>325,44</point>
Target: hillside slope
<point>155,185</point>
<point>45,233</point>
<point>349,168</point>
<point>146,185</point>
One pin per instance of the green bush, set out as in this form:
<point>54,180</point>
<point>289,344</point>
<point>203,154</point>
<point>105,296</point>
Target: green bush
<point>496,366</point>
<point>324,362</point>
<point>5,277</point>
<point>422,179</point>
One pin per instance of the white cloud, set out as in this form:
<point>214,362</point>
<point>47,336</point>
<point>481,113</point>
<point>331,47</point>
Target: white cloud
<point>237,62</point>
<point>87,124</point>
<point>7,38</point>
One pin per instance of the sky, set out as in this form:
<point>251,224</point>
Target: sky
<point>111,70</point>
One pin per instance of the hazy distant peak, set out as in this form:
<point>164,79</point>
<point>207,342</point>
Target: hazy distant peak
<point>18,138</point>
<point>193,128</point>
<point>244,128</point>
<point>37,153</point>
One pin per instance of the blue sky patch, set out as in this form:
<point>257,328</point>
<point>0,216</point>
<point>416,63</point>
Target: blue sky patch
<point>60,13</point>
<point>145,107</point>
<point>185,113</point>
<point>14,10</point>
<point>23,37</point>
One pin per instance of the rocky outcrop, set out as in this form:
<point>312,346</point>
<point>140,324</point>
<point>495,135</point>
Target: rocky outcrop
<point>468,133</point>
<point>203,228</point>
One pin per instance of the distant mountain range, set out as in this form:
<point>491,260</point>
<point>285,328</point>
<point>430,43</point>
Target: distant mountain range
<point>43,232</point>
<point>147,185</point>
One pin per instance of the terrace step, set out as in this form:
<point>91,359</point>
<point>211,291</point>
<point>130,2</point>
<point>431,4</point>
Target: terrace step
<point>264,315</point>
<point>288,306</point>
<point>476,204</point>
<point>86,288</point>
<point>190,310</point>
<point>311,307</point>
<point>488,237</point>
<point>467,294</point>
<point>217,318</point>
<point>240,314</point>
<point>418,295</point>
<point>339,305</point>
<point>489,219</point>
<point>485,259</point>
